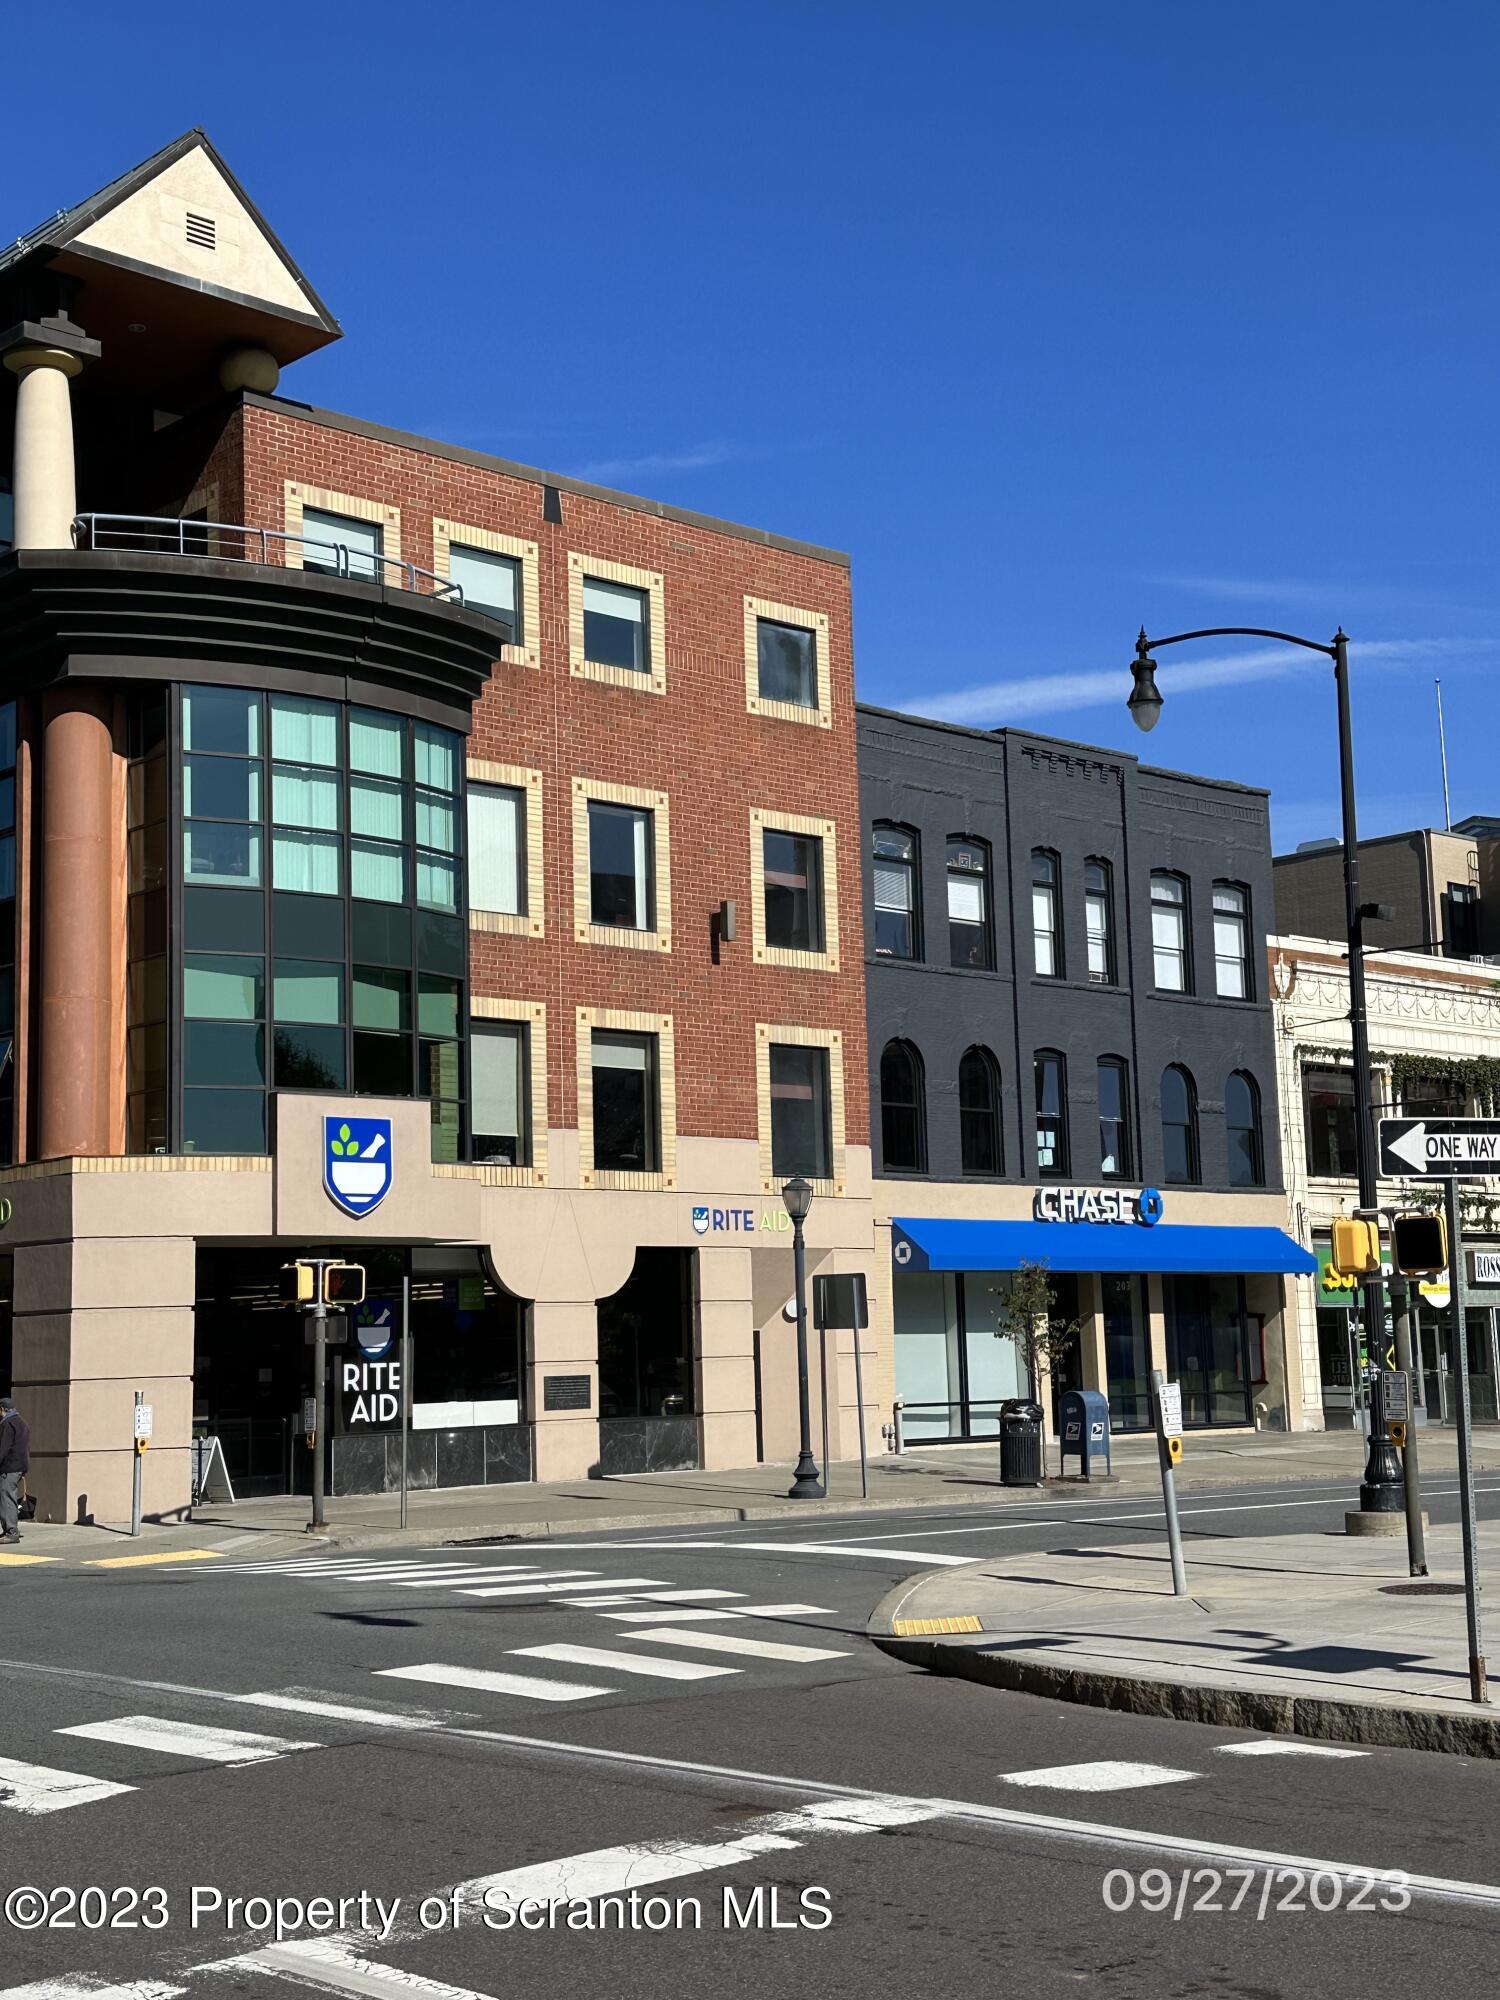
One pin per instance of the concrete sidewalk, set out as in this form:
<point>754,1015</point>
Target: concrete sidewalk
<point>1313,1635</point>
<point>935,1476</point>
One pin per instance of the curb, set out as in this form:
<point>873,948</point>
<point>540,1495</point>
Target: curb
<point>1383,1725</point>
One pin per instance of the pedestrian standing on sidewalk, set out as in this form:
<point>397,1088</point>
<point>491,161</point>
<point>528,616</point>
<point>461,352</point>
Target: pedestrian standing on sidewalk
<point>15,1459</point>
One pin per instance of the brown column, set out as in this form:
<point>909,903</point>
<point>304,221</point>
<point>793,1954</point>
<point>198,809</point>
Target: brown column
<point>77,838</point>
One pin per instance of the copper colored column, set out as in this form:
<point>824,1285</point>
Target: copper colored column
<point>76,839</point>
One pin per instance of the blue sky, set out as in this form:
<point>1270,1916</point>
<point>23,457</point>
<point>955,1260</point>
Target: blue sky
<point>1058,318</point>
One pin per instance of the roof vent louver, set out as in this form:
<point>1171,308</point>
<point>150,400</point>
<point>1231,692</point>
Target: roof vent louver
<point>202,231</point>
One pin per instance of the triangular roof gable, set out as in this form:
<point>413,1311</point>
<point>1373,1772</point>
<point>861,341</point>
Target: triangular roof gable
<point>144,218</point>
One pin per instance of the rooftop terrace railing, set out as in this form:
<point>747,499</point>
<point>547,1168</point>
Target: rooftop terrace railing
<point>232,541</point>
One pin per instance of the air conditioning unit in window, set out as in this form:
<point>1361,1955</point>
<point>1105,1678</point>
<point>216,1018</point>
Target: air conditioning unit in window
<point>1484,958</point>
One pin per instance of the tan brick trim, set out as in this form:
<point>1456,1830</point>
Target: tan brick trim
<point>298,497</point>
<point>581,668</point>
<point>656,803</point>
<point>139,1163</point>
<point>768,1033</point>
<point>815,622</point>
<point>533,1016</point>
<point>659,1025</point>
<point>446,533</point>
<point>480,771</point>
<point>827,960</point>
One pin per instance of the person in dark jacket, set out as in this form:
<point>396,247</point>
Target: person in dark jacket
<point>15,1458</point>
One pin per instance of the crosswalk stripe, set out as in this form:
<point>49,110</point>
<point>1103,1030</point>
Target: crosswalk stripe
<point>1287,1746</point>
<point>721,1611</point>
<point>734,1642</point>
<point>1107,1775</point>
<point>623,1663</point>
<point>34,1788</point>
<point>340,1711</point>
<point>616,1596</point>
<point>698,1613</point>
<point>925,1557</point>
<point>512,1573</point>
<point>79,1986</point>
<point>322,1963</point>
<point>610,1870</point>
<point>187,1739</point>
<point>538,1589</point>
<point>493,1683</point>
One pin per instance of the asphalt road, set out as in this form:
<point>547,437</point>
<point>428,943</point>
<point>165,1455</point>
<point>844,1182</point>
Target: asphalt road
<point>662,1721</point>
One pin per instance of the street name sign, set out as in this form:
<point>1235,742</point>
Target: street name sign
<point>1439,1149</point>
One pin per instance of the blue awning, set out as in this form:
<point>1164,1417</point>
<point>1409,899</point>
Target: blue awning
<point>919,1243</point>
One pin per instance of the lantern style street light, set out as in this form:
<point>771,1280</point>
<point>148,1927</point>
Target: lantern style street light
<point>797,1198</point>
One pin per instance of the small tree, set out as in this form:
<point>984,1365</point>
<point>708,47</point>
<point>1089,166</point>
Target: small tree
<point>1025,1313</point>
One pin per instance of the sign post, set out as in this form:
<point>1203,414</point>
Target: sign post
<point>144,1416</point>
<point>1166,1408</point>
<point>1404,1415</point>
<point>405,1384</point>
<point>1451,1150</point>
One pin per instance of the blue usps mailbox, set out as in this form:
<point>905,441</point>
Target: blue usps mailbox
<point>1084,1417</point>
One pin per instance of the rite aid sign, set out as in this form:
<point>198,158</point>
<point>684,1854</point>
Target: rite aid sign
<point>1083,1204</point>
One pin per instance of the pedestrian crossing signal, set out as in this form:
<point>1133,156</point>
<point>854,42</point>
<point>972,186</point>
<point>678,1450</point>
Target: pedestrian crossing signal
<point>1355,1249</point>
<point>344,1284</point>
<point>1419,1244</point>
<point>299,1284</point>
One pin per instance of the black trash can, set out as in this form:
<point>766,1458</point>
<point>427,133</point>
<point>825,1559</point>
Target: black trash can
<point>1020,1442</point>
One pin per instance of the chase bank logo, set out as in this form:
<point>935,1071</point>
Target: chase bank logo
<point>1149,1207</point>
<point>357,1164</point>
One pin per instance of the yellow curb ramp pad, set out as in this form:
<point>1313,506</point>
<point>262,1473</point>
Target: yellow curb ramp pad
<point>16,1561</point>
<point>921,1628</point>
<point>176,1556</point>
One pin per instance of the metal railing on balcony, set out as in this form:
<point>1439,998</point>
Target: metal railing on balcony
<point>232,541</point>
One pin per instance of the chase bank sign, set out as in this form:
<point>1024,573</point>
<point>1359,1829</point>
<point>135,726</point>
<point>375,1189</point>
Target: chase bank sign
<point>1082,1204</point>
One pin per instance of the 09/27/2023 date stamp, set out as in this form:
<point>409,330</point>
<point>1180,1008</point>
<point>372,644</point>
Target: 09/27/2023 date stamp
<point>1258,1892</point>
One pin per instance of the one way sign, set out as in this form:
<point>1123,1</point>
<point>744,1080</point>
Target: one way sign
<point>1439,1149</point>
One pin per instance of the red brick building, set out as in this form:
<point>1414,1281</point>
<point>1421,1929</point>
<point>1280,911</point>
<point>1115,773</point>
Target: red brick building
<point>361,779</point>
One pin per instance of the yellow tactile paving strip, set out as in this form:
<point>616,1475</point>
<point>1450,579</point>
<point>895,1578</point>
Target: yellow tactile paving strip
<point>920,1628</point>
<point>133,1562</point>
<point>15,1562</point>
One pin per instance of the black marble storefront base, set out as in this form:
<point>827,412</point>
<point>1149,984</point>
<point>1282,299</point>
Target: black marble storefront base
<point>488,1455</point>
<point>647,1444</point>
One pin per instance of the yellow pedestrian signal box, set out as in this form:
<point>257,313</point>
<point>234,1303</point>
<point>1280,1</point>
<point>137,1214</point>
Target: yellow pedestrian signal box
<point>299,1284</point>
<point>343,1284</point>
<point>1419,1244</point>
<point>1173,1447</point>
<point>1355,1249</point>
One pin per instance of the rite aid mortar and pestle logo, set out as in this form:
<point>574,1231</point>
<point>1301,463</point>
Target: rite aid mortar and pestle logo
<point>357,1163</point>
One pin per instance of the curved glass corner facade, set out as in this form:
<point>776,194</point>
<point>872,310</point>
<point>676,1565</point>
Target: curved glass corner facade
<point>297,914</point>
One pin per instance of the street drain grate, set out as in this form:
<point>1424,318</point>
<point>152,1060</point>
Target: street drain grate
<point>1421,1590</point>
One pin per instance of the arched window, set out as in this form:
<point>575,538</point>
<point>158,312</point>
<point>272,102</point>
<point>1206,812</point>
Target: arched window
<point>903,1121</point>
<point>1179,1124</point>
<point>1114,1118</point>
<point>897,860</point>
<point>969,941</point>
<point>1046,927</point>
<point>1051,1114</point>
<point>979,1112</point>
<point>1247,1155</point>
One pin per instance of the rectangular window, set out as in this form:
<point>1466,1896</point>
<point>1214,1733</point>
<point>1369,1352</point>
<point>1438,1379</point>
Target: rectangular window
<point>626,1124</point>
<point>788,663</point>
<point>1169,934</point>
<point>1231,942</point>
<point>968,905</point>
<point>895,873</point>
<point>1046,941</point>
<point>794,890</point>
<point>304,732</point>
<point>306,862</point>
<point>221,719</point>
<point>615,625</point>
<point>340,545</point>
<point>501,1093</point>
<point>223,989</point>
<point>489,583</point>
<point>620,866</point>
<point>1328,1108</point>
<point>226,855</point>
<point>375,743</point>
<point>1114,1119</point>
<point>1099,922</point>
<point>377,873</point>
<point>220,787</point>
<point>1051,1116</point>
<point>801,1126</point>
<point>497,849</point>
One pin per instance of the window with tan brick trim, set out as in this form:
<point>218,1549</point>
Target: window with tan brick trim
<point>448,535</point>
<point>764,820</point>
<point>530,1017</point>
<point>770,1036</point>
<point>653,1035</point>
<point>530,921</point>
<point>761,611</point>
<point>322,499</point>
<point>656,933</point>
<point>651,677</point>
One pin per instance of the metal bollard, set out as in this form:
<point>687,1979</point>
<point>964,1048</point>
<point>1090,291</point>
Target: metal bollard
<point>897,1426</point>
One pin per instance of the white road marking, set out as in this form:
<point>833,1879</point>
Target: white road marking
<point>682,1613</point>
<point>1109,1775</point>
<point>187,1739</point>
<point>653,1617</point>
<point>608,1871</point>
<point>323,1963</point>
<point>34,1788</point>
<point>540,1589</point>
<point>493,1683</point>
<point>338,1711</point>
<point>609,1661</point>
<point>938,1561</point>
<point>730,1642</point>
<point>1287,1746</point>
<point>653,1597</point>
<point>79,1986</point>
<point>512,1574</point>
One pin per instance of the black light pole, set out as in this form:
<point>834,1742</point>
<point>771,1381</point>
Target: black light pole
<point>1381,1492</point>
<point>797,1197</point>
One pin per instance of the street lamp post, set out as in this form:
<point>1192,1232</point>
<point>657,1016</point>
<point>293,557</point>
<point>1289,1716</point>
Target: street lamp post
<point>797,1197</point>
<point>1381,1492</point>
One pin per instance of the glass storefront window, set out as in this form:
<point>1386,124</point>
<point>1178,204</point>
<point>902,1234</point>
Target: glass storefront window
<point>1127,1352</point>
<point>1207,1350</point>
<point>223,989</point>
<point>222,719</point>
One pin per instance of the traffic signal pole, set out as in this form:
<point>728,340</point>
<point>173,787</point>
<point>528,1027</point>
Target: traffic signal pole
<point>1458,1302</point>
<point>320,1395</point>
<point>1416,1544</point>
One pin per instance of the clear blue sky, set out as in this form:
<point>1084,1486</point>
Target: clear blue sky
<point>1058,317</point>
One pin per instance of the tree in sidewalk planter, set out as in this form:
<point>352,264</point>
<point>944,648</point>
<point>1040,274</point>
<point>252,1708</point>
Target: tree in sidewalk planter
<point>1026,1312</point>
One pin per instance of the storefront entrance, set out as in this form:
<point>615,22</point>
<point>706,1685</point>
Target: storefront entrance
<point>952,1372</point>
<point>647,1407</point>
<point>1440,1365</point>
<point>1209,1350</point>
<point>252,1369</point>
